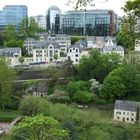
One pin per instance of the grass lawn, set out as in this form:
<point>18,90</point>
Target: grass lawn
<point>8,115</point>
<point>5,138</point>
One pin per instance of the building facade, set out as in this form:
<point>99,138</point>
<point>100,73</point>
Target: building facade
<point>29,45</point>
<point>126,111</point>
<point>52,16</point>
<point>89,22</point>
<point>46,52</point>
<point>13,15</point>
<point>41,21</point>
<point>111,47</point>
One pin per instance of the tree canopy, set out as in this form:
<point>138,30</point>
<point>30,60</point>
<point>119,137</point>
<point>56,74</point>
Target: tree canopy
<point>6,76</point>
<point>39,127</point>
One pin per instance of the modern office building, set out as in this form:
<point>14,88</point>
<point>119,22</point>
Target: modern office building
<point>52,17</point>
<point>41,21</point>
<point>89,22</point>
<point>12,14</point>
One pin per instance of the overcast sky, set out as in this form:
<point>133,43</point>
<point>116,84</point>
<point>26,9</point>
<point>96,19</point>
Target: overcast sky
<point>37,7</point>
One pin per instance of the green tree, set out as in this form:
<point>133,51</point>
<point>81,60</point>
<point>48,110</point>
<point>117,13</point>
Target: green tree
<point>55,56</point>
<point>127,35</point>
<point>82,97</point>
<point>120,83</point>
<point>10,33</point>
<point>39,127</point>
<point>11,43</point>
<point>6,77</point>
<point>113,88</point>
<point>21,59</point>
<point>74,86</point>
<point>97,65</point>
<point>31,105</point>
<point>59,96</point>
<point>28,28</point>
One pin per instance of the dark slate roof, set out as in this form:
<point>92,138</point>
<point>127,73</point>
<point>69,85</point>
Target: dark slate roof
<point>45,44</point>
<point>30,39</point>
<point>126,105</point>
<point>113,48</point>
<point>10,52</point>
<point>82,42</point>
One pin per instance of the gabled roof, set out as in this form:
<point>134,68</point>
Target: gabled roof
<point>126,105</point>
<point>82,42</point>
<point>9,52</point>
<point>113,48</point>
<point>30,39</point>
<point>45,44</point>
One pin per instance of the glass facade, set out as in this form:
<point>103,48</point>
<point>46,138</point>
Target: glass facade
<point>89,22</point>
<point>52,13</point>
<point>12,14</point>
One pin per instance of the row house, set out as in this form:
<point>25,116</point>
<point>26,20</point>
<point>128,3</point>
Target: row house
<point>29,45</point>
<point>126,111</point>
<point>46,51</point>
<point>133,56</point>
<point>75,53</point>
<point>12,55</point>
<point>111,47</point>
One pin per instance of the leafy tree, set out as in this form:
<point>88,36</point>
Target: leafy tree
<point>10,33</point>
<point>55,56</point>
<point>127,35</point>
<point>28,28</point>
<point>11,43</point>
<point>120,83</point>
<point>21,59</point>
<point>74,86</point>
<point>132,8</point>
<point>76,38</point>
<point>2,38</point>
<point>82,97</point>
<point>95,86</point>
<point>59,96</point>
<point>97,65</point>
<point>39,127</point>
<point>31,105</point>
<point>113,88</point>
<point>6,77</point>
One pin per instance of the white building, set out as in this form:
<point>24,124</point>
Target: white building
<point>126,111</point>
<point>41,21</point>
<point>12,55</point>
<point>137,27</point>
<point>29,44</point>
<point>64,42</point>
<point>76,53</point>
<point>137,44</point>
<point>111,47</point>
<point>46,52</point>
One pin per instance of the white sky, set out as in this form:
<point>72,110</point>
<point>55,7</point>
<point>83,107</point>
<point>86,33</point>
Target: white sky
<point>37,7</point>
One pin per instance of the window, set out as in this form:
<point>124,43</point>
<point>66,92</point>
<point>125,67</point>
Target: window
<point>76,55</point>
<point>123,113</point>
<point>127,119</point>
<point>76,50</point>
<point>70,50</point>
<point>118,113</point>
<point>76,60</point>
<point>132,119</point>
<point>118,117</point>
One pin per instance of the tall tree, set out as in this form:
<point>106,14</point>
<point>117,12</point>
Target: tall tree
<point>39,127</point>
<point>28,28</point>
<point>127,35</point>
<point>6,77</point>
<point>97,65</point>
<point>10,33</point>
